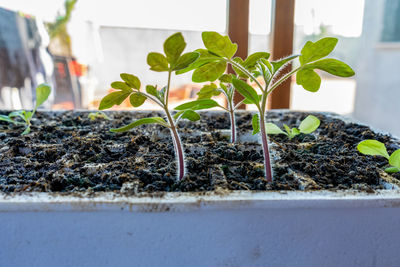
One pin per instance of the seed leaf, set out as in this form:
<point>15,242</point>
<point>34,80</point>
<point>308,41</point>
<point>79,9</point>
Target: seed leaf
<point>42,93</point>
<point>313,51</point>
<point>392,170</point>
<point>394,159</point>
<point>137,99</point>
<point>309,124</point>
<point>255,122</point>
<point>190,115</point>
<point>131,80</point>
<point>185,60</point>
<point>272,128</point>
<point>114,98</point>
<point>249,102</point>
<point>151,120</point>
<point>372,147</point>
<point>309,79</point>
<point>209,72</point>
<point>218,44</point>
<point>157,62</point>
<point>333,66</point>
<point>198,104</point>
<point>6,118</point>
<point>173,47</point>
<point>208,91</point>
<point>246,90</point>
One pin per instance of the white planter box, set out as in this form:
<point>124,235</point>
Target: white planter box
<point>237,229</point>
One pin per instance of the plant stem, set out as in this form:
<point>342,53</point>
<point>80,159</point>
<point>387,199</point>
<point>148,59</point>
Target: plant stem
<point>177,145</point>
<point>233,123</point>
<point>247,73</point>
<point>267,160</point>
<point>281,80</point>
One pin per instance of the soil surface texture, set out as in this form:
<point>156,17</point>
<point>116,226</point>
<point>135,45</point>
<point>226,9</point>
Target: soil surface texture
<point>68,152</point>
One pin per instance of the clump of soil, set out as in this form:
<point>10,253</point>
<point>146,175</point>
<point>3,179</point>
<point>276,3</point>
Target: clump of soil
<point>67,152</point>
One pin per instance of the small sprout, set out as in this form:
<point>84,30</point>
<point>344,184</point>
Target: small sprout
<point>98,115</point>
<point>376,148</point>
<point>42,93</point>
<point>172,61</point>
<point>307,126</point>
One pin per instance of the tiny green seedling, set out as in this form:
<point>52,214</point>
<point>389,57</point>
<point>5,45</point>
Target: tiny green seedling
<point>172,61</point>
<point>204,100</point>
<point>99,115</point>
<point>42,93</point>
<point>376,148</point>
<point>220,52</point>
<point>307,126</point>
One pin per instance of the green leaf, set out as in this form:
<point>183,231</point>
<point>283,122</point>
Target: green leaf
<point>157,62</point>
<point>249,102</point>
<point>27,130</point>
<point>27,115</point>
<point>272,128</point>
<point>218,44</point>
<point>309,124</point>
<point>240,73</point>
<point>42,93</point>
<point>131,80</point>
<point>252,60</point>
<point>17,113</point>
<point>333,66</point>
<point>246,90</point>
<point>394,159</point>
<point>121,86</point>
<point>190,115</point>
<point>372,147</point>
<point>198,104</point>
<point>151,90</point>
<point>173,47</point>
<point>226,78</point>
<point>6,118</point>
<point>314,51</point>
<point>294,132</point>
<point>114,98</point>
<point>204,58</point>
<point>288,130</point>
<point>185,60</point>
<point>156,120</point>
<point>281,62</point>
<point>209,72</point>
<point>255,122</point>
<point>309,79</point>
<point>208,91</point>
<point>137,99</point>
<point>392,170</point>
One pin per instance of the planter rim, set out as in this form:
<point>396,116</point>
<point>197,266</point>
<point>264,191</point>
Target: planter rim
<point>173,201</point>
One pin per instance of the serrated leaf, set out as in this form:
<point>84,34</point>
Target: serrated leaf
<point>281,62</point>
<point>252,60</point>
<point>272,128</point>
<point>42,93</point>
<point>208,91</point>
<point>314,51</point>
<point>151,120</point>
<point>173,47</point>
<point>185,60</point>
<point>333,66</point>
<point>246,90</point>
<point>157,62</point>
<point>190,115</point>
<point>121,86</point>
<point>394,159</point>
<point>209,72</point>
<point>218,44</point>
<point>373,148</point>
<point>198,104</point>
<point>204,57</point>
<point>131,80</point>
<point>114,98</point>
<point>240,73</point>
<point>309,124</point>
<point>137,99</point>
<point>151,90</point>
<point>309,79</point>
<point>255,122</point>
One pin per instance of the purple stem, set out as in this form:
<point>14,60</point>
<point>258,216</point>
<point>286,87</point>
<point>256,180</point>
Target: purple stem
<point>267,161</point>
<point>233,125</point>
<point>178,152</point>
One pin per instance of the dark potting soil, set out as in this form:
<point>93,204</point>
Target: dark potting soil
<point>68,152</point>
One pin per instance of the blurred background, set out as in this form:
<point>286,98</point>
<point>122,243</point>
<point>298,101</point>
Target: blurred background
<point>81,46</point>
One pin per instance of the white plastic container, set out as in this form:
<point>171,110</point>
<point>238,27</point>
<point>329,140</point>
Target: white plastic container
<point>176,229</point>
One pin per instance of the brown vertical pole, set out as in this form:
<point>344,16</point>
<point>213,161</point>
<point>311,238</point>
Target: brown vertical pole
<point>238,31</point>
<point>282,45</point>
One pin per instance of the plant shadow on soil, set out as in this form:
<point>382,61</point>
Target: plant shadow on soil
<point>67,152</point>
